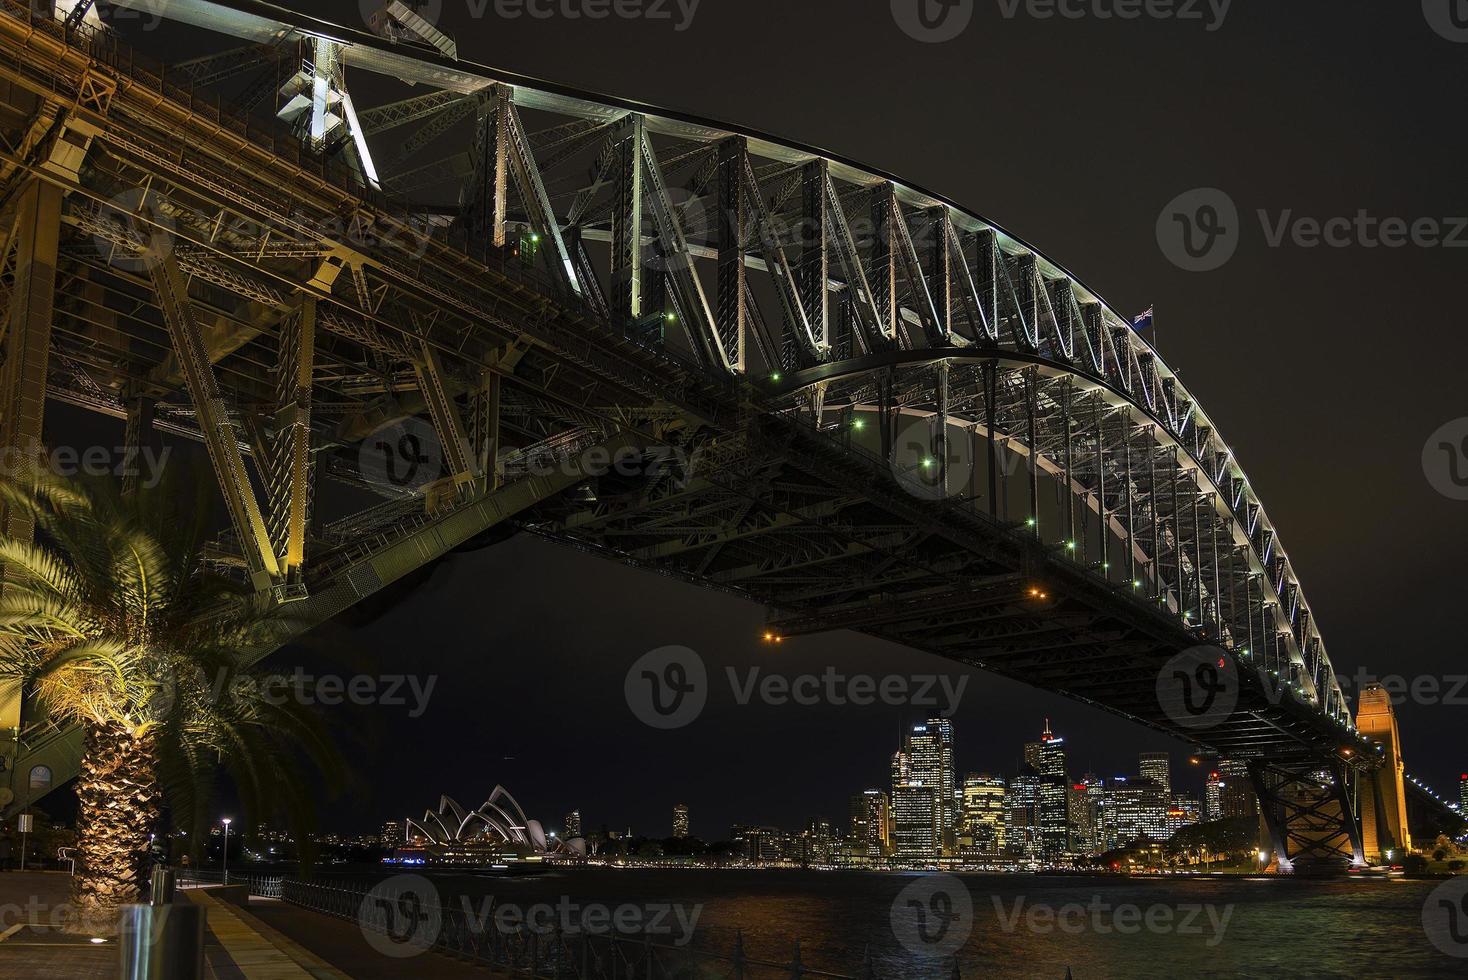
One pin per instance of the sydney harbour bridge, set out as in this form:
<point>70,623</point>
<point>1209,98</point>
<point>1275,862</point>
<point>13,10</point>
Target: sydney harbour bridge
<point>675,343</point>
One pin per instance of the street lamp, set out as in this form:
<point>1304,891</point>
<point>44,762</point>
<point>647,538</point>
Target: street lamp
<point>227,821</point>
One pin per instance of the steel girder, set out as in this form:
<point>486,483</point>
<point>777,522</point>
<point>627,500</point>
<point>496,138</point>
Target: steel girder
<point>891,302</point>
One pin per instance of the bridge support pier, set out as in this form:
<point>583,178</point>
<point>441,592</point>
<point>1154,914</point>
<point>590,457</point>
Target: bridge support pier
<point>1310,816</point>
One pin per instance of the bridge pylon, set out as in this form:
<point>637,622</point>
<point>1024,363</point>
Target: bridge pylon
<point>1310,816</point>
<point>1384,823</point>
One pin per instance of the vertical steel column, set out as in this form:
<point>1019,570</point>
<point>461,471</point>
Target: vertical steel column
<point>1152,508</point>
<point>28,340</point>
<point>497,162</point>
<point>138,436</point>
<point>941,273</point>
<point>1032,396</point>
<point>1249,610</point>
<point>884,260</point>
<point>938,441</point>
<point>1197,549</point>
<point>295,424</point>
<point>1217,595</point>
<point>1178,581</point>
<point>991,422</point>
<point>1105,550</point>
<point>1131,510</point>
<point>815,259</point>
<point>212,413</point>
<point>627,226</point>
<point>1067,497</point>
<point>732,314</point>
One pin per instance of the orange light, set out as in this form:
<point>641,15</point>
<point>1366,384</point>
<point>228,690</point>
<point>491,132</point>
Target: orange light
<point>769,637</point>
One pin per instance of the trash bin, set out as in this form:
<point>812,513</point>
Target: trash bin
<point>162,942</point>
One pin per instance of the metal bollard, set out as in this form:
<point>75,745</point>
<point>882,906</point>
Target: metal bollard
<point>162,942</point>
<point>160,887</point>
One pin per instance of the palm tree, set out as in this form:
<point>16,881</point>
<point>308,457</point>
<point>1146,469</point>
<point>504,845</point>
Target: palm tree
<point>110,620</point>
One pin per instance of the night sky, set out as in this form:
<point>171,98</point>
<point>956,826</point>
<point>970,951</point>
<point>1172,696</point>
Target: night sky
<point>1327,369</point>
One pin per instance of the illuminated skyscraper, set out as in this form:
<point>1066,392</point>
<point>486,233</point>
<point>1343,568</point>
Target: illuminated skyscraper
<point>1213,796</point>
<point>1141,811</point>
<point>1157,767</point>
<point>1463,792</point>
<point>930,763</point>
<point>680,821</point>
<point>1235,790</point>
<point>915,819</point>
<point>392,834</point>
<point>1022,816</point>
<point>869,819</point>
<point>1054,795</point>
<point>982,826</point>
<point>573,824</point>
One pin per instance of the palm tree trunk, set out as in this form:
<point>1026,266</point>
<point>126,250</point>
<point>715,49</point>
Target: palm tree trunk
<point>119,801</point>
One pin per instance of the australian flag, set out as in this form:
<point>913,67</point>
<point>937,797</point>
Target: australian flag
<point>1143,322</point>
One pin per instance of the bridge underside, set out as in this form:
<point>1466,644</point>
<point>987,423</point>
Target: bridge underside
<point>693,349</point>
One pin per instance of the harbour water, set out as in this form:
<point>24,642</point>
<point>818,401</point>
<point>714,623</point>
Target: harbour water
<point>1004,925</point>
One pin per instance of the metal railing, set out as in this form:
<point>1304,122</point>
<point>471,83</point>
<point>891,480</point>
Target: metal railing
<point>260,886</point>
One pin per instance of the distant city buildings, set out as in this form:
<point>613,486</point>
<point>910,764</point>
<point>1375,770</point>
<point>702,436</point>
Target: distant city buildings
<point>1235,790</point>
<point>1463,792</point>
<point>982,819</point>
<point>869,820</point>
<point>1157,767</point>
<point>392,833</point>
<point>573,824</point>
<point>680,821</point>
<point>1054,796</point>
<point>925,803</point>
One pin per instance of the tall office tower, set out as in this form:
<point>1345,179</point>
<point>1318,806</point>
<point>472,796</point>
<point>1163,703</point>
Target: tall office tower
<point>901,766</point>
<point>1235,790</point>
<point>930,763</point>
<point>869,818</point>
<point>983,813</point>
<point>1157,767</point>
<point>915,811</point>
<point>392,833</point>
<point>1054,795</point>
<point>1213,796</point>
<point>573,824</point>
<point>1022,817</point>
<point>1141,811</point>
<point>1463,792</point>
<point>1081,802</point>
<point>680,820</point>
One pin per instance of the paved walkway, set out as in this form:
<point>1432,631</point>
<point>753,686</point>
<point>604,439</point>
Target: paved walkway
<point>268,940</point>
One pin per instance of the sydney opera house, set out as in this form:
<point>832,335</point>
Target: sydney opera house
<point>497,834</point>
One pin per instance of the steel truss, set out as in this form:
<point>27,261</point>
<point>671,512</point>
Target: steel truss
<point>549,288</point>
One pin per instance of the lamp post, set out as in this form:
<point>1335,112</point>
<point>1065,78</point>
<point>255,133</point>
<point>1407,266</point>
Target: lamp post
<point>227,821</point>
